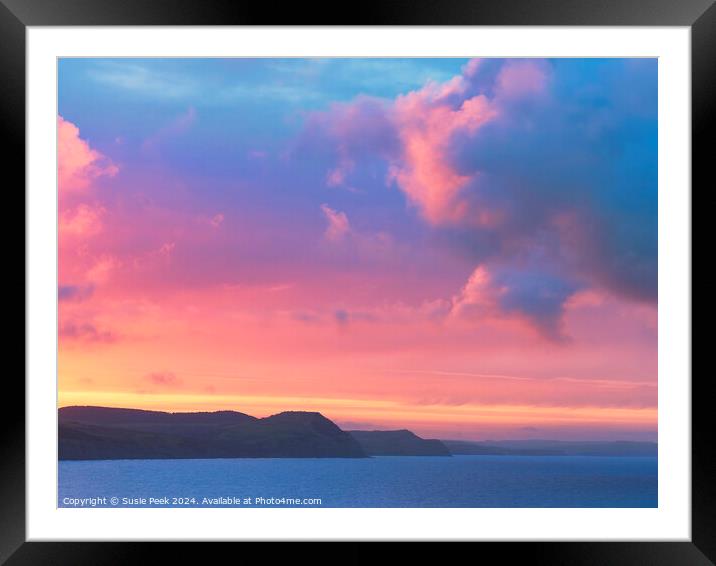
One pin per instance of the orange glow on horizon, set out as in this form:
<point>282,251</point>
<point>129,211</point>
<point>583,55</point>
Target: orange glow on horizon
<point>391,414</point>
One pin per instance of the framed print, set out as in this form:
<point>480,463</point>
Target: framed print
<point>422,276</point>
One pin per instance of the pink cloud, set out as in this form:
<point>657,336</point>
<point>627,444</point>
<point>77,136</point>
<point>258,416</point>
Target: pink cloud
<point>477,298</point>
<point>102,268</point>
<point>82,221</point>
<point>427,121</point>
<point>338,225</point>
<point>78,165</point>
<point>426,125</point>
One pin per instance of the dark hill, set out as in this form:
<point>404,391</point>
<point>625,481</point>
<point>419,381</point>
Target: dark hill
<point>101,433</point>
<point>397,443</point>
<point>115,416</point>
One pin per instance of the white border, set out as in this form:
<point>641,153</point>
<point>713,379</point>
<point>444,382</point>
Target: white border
<point>671,521</point>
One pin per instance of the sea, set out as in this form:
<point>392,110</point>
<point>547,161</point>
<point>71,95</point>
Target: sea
<point>401,481</point>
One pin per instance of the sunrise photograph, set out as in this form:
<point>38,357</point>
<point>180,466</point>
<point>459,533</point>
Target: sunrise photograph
<point>357,282</point>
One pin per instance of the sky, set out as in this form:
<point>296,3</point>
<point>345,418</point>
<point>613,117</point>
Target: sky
<point>466,248</point>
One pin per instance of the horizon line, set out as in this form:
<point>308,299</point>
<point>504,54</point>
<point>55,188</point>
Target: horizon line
<point>373,429</point>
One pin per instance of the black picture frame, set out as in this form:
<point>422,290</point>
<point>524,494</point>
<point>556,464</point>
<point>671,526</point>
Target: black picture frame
<point>16,15</point>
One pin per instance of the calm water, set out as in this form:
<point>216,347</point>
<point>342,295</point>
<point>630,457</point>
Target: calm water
<point>460,481</point>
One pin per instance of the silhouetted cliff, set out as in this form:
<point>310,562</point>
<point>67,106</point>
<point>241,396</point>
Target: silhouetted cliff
<point>102,433</point>
<point>397,443</point>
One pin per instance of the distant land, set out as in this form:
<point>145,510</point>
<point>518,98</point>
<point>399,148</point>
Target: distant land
<point>552,447</point>
<point>397,443</point>
<point>105,433</point>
